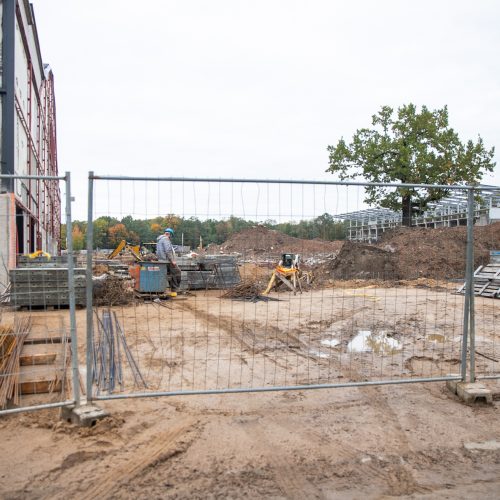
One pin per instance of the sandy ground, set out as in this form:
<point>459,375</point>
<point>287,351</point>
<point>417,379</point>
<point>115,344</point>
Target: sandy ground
<point>412,440</point>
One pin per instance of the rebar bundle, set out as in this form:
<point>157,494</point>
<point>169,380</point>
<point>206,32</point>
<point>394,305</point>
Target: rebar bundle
<point>107,364</point>
<point>5,295</point>
<point>247,290</point>
<point>11,344</point>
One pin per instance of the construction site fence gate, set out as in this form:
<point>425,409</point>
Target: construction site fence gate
<point>25,222</point>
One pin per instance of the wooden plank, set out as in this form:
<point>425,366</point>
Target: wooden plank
<point>48,329</point>
<point>40,379</point>
<point>37,359</point>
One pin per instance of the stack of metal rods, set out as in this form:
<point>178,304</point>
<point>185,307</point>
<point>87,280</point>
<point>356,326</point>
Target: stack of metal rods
<point>5,295</point>
<point>247,290</point>
<point>11,345</point>
<point>107,356</point>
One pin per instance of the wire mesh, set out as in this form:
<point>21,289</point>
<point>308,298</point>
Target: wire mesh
<point>35,354</point>
<point>487,304</point>
<point>384,312</point>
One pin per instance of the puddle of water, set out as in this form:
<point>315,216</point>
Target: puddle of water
<point>331,342</point>
<point>379,343</point>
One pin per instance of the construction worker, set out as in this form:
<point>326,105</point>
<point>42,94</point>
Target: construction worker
<point>165,251</point>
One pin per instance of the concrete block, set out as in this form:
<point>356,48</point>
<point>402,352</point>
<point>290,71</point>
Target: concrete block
<point>452,384</point>
<point>473,393</point>
<point>84,416</point>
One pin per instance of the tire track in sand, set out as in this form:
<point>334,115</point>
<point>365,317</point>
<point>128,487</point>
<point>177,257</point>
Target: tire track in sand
<point>293,484</point>
<point>145,456</point>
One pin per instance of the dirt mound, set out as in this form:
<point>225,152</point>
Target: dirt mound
<point>403,253</point>
<point>267,243</point>
<point>356,260</point>
<point>438,253</point>
<point>412,253</point>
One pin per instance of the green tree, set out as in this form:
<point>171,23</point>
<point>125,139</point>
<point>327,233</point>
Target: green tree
<point>410,147</point>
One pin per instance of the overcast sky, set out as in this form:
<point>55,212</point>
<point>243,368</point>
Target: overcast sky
<point>256,88</point>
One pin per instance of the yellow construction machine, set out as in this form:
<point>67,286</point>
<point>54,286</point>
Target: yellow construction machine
<point>288,273</point>
<point>135,250</point>
<point>39,253</point>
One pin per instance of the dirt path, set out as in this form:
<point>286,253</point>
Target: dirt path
<point>410,441</point>
<point>404,441</point>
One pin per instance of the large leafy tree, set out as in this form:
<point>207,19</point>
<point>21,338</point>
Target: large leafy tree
<point>414,148</point>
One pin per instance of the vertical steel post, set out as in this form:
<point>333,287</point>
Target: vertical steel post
<point>71,293</point>
<point>469,285</point>
<point>90,319</point>
<point>472,319</point>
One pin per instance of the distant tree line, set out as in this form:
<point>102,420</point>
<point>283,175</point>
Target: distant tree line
<point>109,231</point>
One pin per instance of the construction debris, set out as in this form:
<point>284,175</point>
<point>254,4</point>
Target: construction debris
<point>208,272</point>
<point>487,278</point>
<point>110,290</point>
<point>248,290</point>
<point>5,295</point>
<point>107,370</point>
<point>11,344</point>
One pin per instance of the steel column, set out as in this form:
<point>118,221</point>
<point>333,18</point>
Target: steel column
<point>470,259</point>
<point>90,319</point>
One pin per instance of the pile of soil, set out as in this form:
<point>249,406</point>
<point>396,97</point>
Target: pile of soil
<point>357,260</point>
<point>412,253</point>
<point>402,253</point>
<point>439,253</point>
<point>260,241</point>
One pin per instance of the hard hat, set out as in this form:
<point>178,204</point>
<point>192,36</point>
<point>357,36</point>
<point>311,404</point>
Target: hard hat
<point>169,230</point>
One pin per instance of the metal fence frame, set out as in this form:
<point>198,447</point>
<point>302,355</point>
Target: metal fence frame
<point>467,370</point>
<point>76,401</point>
<point>468,331</point>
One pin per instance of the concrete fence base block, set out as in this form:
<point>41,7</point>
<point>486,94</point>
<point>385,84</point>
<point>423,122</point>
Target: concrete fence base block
<point>84,416</point>
<point>474,393</point>
<point>452,385</point>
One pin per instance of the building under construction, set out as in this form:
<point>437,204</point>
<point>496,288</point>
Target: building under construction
<point>368,225</point>
<point>30,210</point>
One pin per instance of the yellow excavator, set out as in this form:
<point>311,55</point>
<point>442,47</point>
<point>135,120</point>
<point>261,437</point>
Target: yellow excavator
<point>135,250</point>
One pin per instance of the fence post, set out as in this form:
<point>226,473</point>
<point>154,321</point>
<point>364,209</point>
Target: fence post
<point>71,293</point>
<point>472,319</point>
<point>89,288</point>
<point>469,284</point>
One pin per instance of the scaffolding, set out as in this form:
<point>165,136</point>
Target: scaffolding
<point>368,225</point>
<point>30,207</point>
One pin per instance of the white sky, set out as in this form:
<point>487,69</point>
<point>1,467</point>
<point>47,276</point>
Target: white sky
<point>256,89</point>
